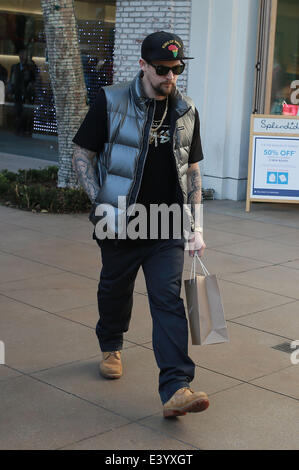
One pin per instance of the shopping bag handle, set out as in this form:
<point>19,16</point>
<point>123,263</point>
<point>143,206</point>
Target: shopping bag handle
<point>193,267</point>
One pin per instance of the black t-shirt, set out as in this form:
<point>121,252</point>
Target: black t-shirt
<point>159,176</point>
<point>159,182</point>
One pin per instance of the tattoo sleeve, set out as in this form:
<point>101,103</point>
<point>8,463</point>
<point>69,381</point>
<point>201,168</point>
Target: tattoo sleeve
<point>194,195</point>
<point>84,164</point>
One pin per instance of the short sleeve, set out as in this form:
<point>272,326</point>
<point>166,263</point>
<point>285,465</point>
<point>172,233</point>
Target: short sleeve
<point>196,153</point>
<point>92,133</point>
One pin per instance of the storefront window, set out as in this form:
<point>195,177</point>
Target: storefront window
<point>25,88</point>
<point>286,58</point>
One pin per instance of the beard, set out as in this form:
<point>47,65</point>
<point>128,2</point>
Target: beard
<point>161,90</point>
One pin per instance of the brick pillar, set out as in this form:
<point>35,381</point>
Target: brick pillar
<point>137,19</point>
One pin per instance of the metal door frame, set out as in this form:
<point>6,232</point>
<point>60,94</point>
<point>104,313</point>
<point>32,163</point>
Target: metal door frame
<point>265,56</point>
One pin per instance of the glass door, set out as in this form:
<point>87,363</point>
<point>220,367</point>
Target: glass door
<point>26,98</point>
<point>283,60</point>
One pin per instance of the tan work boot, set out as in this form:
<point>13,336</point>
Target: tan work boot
<point>185,401</point>
<point>110,366</point>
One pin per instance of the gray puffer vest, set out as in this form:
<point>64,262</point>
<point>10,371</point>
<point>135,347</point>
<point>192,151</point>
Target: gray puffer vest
<point>120,165</point>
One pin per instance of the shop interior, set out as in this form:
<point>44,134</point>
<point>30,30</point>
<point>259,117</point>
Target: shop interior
<point>25,87</point>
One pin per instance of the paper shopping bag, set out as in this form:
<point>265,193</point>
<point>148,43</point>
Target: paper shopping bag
<point>205,310</point>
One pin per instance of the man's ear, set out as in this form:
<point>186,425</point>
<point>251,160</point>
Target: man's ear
<point>142,64</point>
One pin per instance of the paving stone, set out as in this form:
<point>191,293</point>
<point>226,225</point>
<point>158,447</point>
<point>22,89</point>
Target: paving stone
<point>289,237</point>
<point>53,293</point>
<point>87,315</point>
<point>245,417</point>
<point>218,238</point>
<point>134,395</point>
<point>15,268</point>
<point>248,354</point>
<point>15,237</point>
<point>36,340</point>
<point>222,264</point>
<point>260,302</point>
<point>262,250</point>
<point>5,212</point>
<point>78,258</point>
<point>284,381</point>
<point>140,285</point>
<point>291,264</point>
<point>286,218</point>
<point>249,228</point>
<point>7,373</point>
<point>140,330</point>
<point>276,279</point>
<point>3,298</point>
<point>130,437</point>
<point>36,416</point>
<point>213,218</point>
<point>282,320</point>
<point>15,162</point>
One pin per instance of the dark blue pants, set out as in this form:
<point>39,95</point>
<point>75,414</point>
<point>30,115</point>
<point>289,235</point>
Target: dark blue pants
<point>162,263</point>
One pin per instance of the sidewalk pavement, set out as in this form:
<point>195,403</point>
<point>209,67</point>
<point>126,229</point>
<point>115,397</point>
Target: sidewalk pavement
<point>51,393</point>
<point>12,162</point>
<point>40,147</point>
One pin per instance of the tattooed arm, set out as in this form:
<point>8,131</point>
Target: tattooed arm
<point>196,242</point>
<point>84,165</point>
<point>194,193</point>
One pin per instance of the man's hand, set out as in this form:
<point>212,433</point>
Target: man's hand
<point>196,244</point>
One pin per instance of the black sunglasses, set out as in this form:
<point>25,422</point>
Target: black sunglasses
<point>164,70</point>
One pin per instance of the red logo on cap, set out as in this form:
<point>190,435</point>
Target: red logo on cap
<point>174,49</point>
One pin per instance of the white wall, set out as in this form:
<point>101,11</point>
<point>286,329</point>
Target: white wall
<point>221,82</point>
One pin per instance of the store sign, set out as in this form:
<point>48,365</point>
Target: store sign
<point>276,126</point>
<point>273,170</point>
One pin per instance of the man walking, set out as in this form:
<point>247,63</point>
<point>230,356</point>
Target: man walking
<point>141,140</point>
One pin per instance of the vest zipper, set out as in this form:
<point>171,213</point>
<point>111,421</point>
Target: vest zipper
<point>143,165</point>
<point>174,135</point>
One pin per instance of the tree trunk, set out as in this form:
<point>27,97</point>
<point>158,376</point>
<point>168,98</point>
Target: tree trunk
<point>67,80</point>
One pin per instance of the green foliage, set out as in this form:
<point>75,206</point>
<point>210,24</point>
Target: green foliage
<point>4,184</point>
<point>9,175</point>
<point>37,190</point>
<point>37,176</point>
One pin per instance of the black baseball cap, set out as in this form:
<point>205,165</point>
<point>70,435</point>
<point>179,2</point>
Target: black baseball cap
<point>163,46</point>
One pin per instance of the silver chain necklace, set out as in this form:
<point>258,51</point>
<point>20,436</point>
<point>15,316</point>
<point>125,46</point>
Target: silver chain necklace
<point>154,129</point>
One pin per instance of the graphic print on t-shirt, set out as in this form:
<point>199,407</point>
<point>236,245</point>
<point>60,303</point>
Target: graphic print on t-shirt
<point>162,136</point>
<point>160,128</point>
